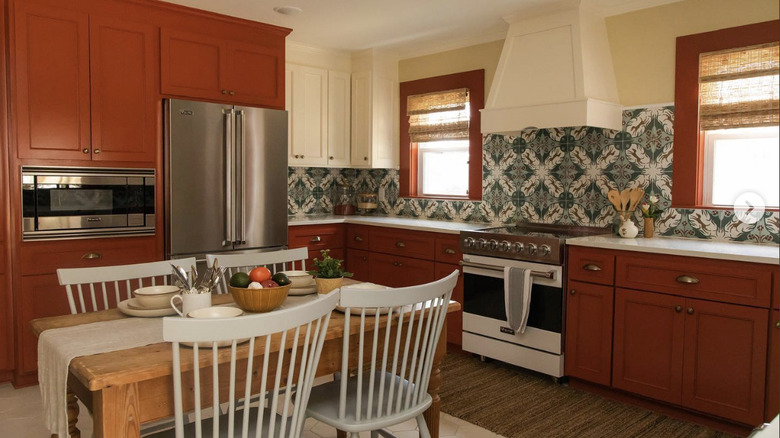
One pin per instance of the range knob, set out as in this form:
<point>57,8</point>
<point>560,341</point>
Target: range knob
<point>545,250</point>
<point>518,247</point>
<point>505,246</point>
<point>468,242</point>
<point>531,248</point>
<point>493,244</point>
<point>481,244</point>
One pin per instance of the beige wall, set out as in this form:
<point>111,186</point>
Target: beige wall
<point>482,56</point>
<point>643,42</point>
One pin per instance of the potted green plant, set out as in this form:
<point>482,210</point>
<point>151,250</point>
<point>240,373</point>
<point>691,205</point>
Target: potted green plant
<point>329,274</point>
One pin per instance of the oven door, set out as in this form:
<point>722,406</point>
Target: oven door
<point>484,311</point>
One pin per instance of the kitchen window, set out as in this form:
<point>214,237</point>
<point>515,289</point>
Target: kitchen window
<point>726,117</point>
<point>441,143</point>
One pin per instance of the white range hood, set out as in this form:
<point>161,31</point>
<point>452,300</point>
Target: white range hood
<point>555,71</point>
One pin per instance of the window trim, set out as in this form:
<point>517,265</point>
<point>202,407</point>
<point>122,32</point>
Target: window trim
<point>688,162</point>
<point>473,80</point>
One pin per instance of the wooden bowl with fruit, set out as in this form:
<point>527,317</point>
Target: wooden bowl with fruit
<point>259,290</point>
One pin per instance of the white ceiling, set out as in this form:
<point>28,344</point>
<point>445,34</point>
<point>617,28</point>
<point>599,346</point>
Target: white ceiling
<point>410,27</point>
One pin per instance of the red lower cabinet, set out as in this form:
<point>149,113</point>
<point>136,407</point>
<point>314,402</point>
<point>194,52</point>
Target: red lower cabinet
<point>773,368</point>
<point>589,332</point>
<point>357,263</point>
<point>396,271</point>
<point>454,319</point>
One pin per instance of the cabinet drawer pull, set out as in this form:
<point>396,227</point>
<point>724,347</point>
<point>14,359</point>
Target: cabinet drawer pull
<point>678,309</point>
<point>92,256</point>
<point>591,267</point>
<point>687,279</point>
<point>449,251</point>
<point>573,292</point>
<point>315,239</point>
<point>358,239</point>
<point>690,311</point>
<point>400,244</point>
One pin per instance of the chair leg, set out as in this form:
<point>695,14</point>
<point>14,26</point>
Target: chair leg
<point>424,433</point>
<point>374,434</point>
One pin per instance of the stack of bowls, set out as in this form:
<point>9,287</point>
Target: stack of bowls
<point>155,297</point>
<point>301,282</point>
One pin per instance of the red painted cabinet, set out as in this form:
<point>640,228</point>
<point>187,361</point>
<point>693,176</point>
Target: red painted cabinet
<point>773,368</point>
<point>454,319</point>
<point>207,67</point>
<point>316,238</point>
<point>589,332</point>
<point>51,84</point>
<point>357,263</point>
<point>398,271</point>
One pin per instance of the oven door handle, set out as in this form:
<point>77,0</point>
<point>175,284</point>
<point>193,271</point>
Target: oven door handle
<point>549,274</point>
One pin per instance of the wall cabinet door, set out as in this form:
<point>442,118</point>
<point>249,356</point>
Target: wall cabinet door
<point>648,344</point>
<point>357,263</point>
<point>339,118</point>
<point>51,93</point>
<point>308,116</point>
<point>589,332</point>
<point>124,90</point>
<point>396,271</point>
<point>454,319</point>
<point>193,65</point>
<point>725,360</point>
<point>773,368</point>
<point>362,128</point>
<point>254,73</point>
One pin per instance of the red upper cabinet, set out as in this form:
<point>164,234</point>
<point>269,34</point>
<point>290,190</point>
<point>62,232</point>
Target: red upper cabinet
<point>200,66</point>
<point>51,92</point>
<point>124,90</point>
<point>86,86</point>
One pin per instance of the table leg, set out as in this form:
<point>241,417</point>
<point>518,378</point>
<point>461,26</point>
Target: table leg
<point>431,415</point>
<point>73,416</point>
<point>341,434</point>
<point>117,412</point>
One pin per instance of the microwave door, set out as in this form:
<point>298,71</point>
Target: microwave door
<point>261,168</point>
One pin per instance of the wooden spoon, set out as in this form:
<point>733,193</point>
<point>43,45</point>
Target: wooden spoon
<point>625,199</point>
<point>614,198</point>
<point>636,196</point>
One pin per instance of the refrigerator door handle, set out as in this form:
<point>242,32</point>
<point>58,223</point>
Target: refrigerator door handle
<point>228,145</point>
<point>240,179</point>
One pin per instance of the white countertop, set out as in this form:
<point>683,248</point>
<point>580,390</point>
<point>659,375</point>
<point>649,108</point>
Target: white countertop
<point>390,221</point>
<point>738,251</point>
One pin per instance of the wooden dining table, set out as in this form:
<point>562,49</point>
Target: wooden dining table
<point>127,388</point>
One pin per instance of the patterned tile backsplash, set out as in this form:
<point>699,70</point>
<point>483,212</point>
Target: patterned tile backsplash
<point>559,175</point>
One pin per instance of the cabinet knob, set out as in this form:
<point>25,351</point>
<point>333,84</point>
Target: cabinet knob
<point>97,151</point>
<point>365,158</point>
<point>573,292</point>
<point>690,311</point>
<point>400,244</point>
<point>85,150</point>
<point>591,267</point>
<point>449,251</point>
<point>232,93</point>
<point>365,258</point>
<point>358,239</point>
<point>398,264</point>
<point>92,256</point>
<point>224,91</point>
<point>302,156</point>
<point>678,309</point>
<point>687,279</point>
<point>330,158</point>
<point>777,324</point>
<point>315,239</point>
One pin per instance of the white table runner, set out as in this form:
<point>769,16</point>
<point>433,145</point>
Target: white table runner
<point>57,347</point>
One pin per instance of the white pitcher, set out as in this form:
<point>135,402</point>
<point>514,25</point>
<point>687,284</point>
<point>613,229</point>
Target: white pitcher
<point>190,302</point>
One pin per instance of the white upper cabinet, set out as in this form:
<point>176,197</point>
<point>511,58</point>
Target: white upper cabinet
<point>339,120</point>
<point>307,97</point>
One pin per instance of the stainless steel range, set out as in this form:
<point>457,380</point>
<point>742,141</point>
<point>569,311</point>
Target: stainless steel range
<point>487,256</point>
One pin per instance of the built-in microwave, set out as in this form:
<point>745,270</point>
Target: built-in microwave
<point>73,202</point>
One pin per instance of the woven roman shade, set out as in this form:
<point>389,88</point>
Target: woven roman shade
<point>442,115</point>
<point>738,88</point>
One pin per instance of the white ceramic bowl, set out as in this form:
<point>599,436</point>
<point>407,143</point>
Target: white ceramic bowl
<point>299,279</point>
<point>155,296</point>
<point>216,312</point>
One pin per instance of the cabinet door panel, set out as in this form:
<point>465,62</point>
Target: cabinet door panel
<point>773,368</point>
<point>454,319</point>
<point>339,119</point>
<point>589,332</point>
<point>648,344</point>
<point>357,236</point>
<point>358,263</point>
<point>361,119</point>
<point>40,296</point>
<point>124,89</point>
<point>725,360</point>
<point>395,271</point>
<point>7,332</point>
<point>254,73</point>
<point>308,116</point>
<point>52,83</point>
<point>192,65</point>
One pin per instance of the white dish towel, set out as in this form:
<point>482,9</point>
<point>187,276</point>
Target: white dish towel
<point>517,297</point>
<point>57,347</point>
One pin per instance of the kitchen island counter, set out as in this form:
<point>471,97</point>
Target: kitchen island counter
<point>737,251</point>
<point>391,222</point>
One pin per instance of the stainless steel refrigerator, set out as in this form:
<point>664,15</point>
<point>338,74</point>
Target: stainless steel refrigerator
<point>225,178</point>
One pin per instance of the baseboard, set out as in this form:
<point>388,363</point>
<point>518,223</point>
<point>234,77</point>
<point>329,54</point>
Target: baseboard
<point>6,376</point>
<point>670,411</point>
<point>20,380</point>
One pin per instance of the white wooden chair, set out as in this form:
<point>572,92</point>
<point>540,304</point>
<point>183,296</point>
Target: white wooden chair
<point>386,382</point>
<point>113,282</point>
<point>275,261</point>
<point>280,413</point>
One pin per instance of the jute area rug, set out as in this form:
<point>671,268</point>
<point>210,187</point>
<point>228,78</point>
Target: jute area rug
<point>517,403</point>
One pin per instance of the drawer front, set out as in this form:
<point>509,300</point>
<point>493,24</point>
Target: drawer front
<point>402,242</point>
<point>718,280</point>
<point>448,248</point>
<point>47,257</point>
<point>591,265</point>
<point>317,237</point>
<point>395,271</point>
<point>357,236</point>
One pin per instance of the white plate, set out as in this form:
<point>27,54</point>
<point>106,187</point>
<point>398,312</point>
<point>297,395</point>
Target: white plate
<point>359,310</point>
<point>146,313</point>
<point>307,290</point>
<point>134,304</point>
